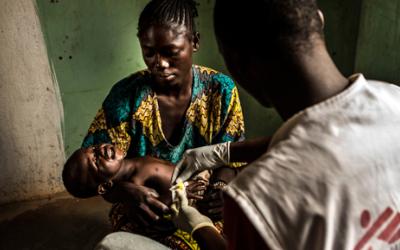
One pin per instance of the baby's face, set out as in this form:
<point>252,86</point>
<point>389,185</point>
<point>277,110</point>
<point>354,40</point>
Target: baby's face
<point>103,161</point>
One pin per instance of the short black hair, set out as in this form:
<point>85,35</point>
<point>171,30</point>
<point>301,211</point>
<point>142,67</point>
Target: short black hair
<point>167,12</point>
<point>260,24</point>
<point>71,176</point>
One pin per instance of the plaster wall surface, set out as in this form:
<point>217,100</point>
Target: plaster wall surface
<point>31,144</point>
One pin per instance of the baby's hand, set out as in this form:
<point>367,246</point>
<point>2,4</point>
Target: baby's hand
<point>195,189</point>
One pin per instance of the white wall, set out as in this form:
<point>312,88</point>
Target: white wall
<point>31,144</point>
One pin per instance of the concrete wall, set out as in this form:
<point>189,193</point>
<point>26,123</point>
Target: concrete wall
<point>31,145</point>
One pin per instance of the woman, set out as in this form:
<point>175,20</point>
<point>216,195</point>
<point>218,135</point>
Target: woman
<point>164,110</point>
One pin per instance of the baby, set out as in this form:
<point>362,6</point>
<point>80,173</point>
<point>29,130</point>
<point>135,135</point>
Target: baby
<point>100,167</point>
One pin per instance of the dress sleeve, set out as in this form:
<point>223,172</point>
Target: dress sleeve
<point>226,111</point>
<point>232,128</point>
<point>231,116</point>
<point>101,132</point>
<point>113,121</point>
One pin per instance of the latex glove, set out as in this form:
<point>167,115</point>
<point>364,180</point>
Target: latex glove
<point>202,158</point>
<point>185,217</point>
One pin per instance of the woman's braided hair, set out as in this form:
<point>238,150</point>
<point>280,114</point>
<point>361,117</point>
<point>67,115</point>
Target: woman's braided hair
<point>167,12</point>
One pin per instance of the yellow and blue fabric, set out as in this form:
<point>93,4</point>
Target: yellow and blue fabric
<point>130,119</point>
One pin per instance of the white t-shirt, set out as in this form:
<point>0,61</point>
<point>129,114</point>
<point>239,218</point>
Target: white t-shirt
<point>331,180</point>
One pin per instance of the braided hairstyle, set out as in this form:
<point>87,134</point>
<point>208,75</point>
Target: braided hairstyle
<point>167,12</point>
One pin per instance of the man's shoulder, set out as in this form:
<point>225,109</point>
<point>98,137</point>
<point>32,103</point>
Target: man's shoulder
<point>286,183</point>
<point>296,161</point>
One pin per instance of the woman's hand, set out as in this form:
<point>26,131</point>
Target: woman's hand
<point>146,199</point>
<point>143,198</point>
<point>195,190</point>
<point>212,204</point>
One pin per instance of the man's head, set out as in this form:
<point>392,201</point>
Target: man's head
<point>87,168</point>
<point>168,38</point>
<point>253,36</point>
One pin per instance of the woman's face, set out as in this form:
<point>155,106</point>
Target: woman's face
<point>104,160</point>
<point>167,52</point>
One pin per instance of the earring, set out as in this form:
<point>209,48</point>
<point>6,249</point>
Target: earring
<point>105,187</point>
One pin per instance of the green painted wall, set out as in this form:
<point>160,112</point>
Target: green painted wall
<point>363,36</point>
<point>93,44</point>
<point>378,53</point>
<point>341,31</point>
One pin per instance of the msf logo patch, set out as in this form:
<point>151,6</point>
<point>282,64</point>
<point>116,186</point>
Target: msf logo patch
<point>385,228</point>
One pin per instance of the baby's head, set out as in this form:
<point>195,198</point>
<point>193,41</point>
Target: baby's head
<point>87,168</point>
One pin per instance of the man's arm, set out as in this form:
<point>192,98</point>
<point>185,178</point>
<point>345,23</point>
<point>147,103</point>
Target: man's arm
<point>248,150</point>
<point>239,231</point>
<point>209,238</point>
<point>218,155</point>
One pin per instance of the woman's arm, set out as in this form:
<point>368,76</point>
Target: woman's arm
<point>143,197</point>
<point>126,190</point>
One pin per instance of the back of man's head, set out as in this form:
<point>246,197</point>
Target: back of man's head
<point>265,26</point>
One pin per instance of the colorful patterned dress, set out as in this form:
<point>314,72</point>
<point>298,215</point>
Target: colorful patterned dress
<point>130,119</point>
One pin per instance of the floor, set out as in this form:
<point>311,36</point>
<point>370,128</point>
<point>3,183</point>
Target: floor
<point>61,222</point>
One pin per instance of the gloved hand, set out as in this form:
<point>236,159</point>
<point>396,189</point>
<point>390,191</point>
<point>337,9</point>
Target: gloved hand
<point>202,158</point>
<point>185,217</point>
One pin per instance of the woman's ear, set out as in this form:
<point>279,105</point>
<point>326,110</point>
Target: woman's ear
<point>196,41</point>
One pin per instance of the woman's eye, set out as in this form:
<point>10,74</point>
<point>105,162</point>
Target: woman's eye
<point>172,53</point>
<point>148,53</point>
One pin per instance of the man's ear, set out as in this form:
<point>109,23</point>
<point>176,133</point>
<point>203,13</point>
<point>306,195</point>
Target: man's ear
<point>196,41</point>
<point>321,16</point>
